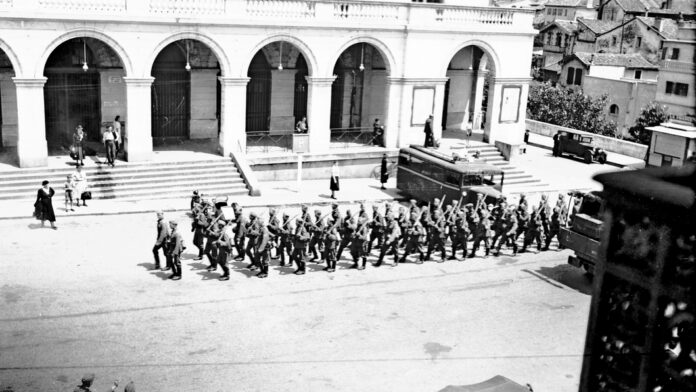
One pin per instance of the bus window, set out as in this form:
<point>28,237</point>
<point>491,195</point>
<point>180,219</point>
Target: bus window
<point>472,180</point>
<point>453,178</point>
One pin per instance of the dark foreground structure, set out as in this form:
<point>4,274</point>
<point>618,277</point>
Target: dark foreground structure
<point>642,330</point>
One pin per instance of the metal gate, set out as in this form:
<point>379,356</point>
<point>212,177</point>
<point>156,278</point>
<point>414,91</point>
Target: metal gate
<point>337,97</point>
<point>71,99</point>
<point>258,110</point>
<point>171,110</point>
<point>300,102</point>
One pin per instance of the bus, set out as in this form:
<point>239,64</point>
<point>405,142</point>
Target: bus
<point>425,174</point>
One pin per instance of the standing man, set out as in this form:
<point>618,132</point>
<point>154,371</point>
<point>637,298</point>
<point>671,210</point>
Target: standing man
<point>200,223</point>
<point>160,242</point>
<point>383,171</point>
<point>299,251</point>
<point>175,247</point>
<point>109,144</point>
<point>224,246</point>
<point>377,133</point>
<point>556,144</point>
<point>429,142</point>
<point>117,134</point>
<point>301,126</point>
<point>391,241</point>
<point>263,249</point>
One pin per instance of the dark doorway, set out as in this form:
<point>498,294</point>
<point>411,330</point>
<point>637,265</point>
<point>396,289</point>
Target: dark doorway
<point>258,108</point>
<point>170,104</point>
<point>337,96</point>
<point>444,106</point>
<point>300,102</point>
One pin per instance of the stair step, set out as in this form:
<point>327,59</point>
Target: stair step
<point>119,165</point>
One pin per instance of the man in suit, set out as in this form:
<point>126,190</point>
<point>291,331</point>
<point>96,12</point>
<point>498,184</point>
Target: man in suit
<point>428,130</point>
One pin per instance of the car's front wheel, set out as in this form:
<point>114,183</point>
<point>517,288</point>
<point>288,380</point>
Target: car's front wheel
<point>602,159</point>
<point>587,156</point>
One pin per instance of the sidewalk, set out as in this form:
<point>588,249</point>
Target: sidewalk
<point>278,194</point>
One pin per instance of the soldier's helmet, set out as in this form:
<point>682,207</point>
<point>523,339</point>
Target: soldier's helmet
<point>413,202</point>
<point>544,197</point>
<point>490,207</point>
<point>436,201</point>
<point>375,207</point>
<point>252,214</point>
<point>286,215</point>
<point>173,223</point>
<point>349,213</point>
<point>260,220</point>
<point>438,213</point>
<point>317,212</point>
<point>304,208</point>
<point>362,206</point>
<point>272,211</point>
<point>448,208</point>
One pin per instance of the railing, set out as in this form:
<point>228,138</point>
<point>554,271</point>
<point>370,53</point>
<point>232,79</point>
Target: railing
<point>680,66</point>
<point>352,137</point>
<point>329,12</point>
<point>264,142</point>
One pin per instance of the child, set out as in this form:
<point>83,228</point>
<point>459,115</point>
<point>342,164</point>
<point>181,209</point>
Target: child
<point>69,187</point>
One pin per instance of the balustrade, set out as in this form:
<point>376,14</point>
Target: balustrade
<point>264,142</point>
<point>280,8</point>
<point>86,6</point>
<point>342,138</point>
<point>187,7</point>
<point>367,12</point>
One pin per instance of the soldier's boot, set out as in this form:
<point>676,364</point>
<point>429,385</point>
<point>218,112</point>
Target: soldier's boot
<point>355,264</point>
<point>473,253</point>
<point>514,248</point>
<point>364,262</point>
<point>488,251</point>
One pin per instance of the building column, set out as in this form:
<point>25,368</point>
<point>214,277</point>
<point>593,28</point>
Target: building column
<point>137,135</point>
<point>32,149</point>
<point>506,111</point>
<point>232,115</point>
<point>392,124</point>
<point>319,112</point>
<point>476,113</point>
<point>439,106</point>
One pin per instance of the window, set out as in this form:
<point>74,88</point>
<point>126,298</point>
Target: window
<point>613,40</point>
<point>675,54</point>
<point>571,74</point>
<point>558,39</point>
<point>578,76</point>
<point>614,110</point>
<point>664,53</point>
<point>565,12</point>
<point>637,74</point>
<point>565,40</point>
<point>574,76</point>
<point>666,160</point>
<point>669,88</point>
<point>639,41</point>
<point>681,89</point>
<point>549,38</point>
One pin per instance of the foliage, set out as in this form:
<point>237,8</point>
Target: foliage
<point>569,108</point>
<point>651,115</point>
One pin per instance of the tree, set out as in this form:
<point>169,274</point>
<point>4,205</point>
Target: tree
<point>651,115</point>
<point>569,108</point>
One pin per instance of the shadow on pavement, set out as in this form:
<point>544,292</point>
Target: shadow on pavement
<point>164,275</point>
<point>147,266</point>
<point>566,274</point>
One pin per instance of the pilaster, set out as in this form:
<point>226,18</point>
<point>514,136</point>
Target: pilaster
<point>137,135</point>
<point>506,111</point>
<point>319,112</point>
<point>32,149</point>
<point>233,115</point>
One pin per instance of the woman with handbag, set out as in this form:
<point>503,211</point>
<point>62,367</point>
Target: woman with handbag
<point>43,207</point>
<point>81,186</point>
<point>77,148</point>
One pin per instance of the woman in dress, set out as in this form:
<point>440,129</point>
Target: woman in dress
<point>78,142</point>
<point>383,172</point>
<point>334,180</point>
<point>43,207</point>
<point>80,185</point>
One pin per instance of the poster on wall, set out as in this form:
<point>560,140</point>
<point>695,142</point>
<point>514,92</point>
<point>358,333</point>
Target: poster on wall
<point>423,104</point>
<point>510,104</point>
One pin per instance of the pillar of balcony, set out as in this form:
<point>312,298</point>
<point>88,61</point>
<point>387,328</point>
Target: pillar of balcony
<point>233,115</point>
<point>319,112</point>
<point>137,137</point>
<point>32,149</point>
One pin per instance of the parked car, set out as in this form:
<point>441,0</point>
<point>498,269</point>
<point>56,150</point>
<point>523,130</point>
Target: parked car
<point>579,145</point>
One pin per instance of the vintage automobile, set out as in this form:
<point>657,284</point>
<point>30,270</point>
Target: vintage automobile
<point>579,145</point>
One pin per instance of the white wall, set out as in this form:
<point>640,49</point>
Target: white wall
<point>462,83</point>
<point>203,123</point>
<point>601,71</point>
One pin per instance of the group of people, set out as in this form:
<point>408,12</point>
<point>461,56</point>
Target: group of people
<point>110,138</point>
<point>75,189</point>
<point>393,230</point>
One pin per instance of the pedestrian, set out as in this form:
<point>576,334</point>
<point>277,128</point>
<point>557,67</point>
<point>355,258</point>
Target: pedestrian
<point>526,136</point>
<point>557,144</point>
<point>109,145</point>
<point>86,383</point>
<point>334,186</point>
<point>301,126</point>
<point>69,186</point>
<point>117,134</point>
<point>79,144</point>
<point>175,247</point>
<point>80,178</point>
<point>43,207</point>
<point>378,133</point>
<point>429,142</point>
<point>383,172</point>
<point>160,242</point>
<point>299,251</point>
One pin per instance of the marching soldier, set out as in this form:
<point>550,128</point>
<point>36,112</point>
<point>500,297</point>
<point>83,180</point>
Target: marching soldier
<point>414,238</point>
<point>436,236</point>
<point>522,213</point>
<point>508,229</point>
<point>482,233</point>
<point>434,206</point>
<point>274,228</point>
<point>253,231</point>
<point>175,247</point>
<point>285,241</point>
<point>224,245</point>
<point>533,232</point>
<point>554,227</point>
<point>305,215</point>
<point>413,207</point>
<point>377,228</point>
<point>299,251</point>
<point>200,223</point>
<point>332,237</point>
<point>402,221</point>
<point>346,229</point>
<point>263,248</point>
<point>240,233</point>
<point>459,235</point>
<point>211,233</point>
<point>545,214</point>
<point>498,221</point>
<point>317,230</point>
<point>391,241</point>
<point>359,244</point>
<point>161,241</point>
<point>362,213</point>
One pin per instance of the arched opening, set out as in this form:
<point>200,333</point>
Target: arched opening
<point>8,106</point>
<point>614,110</point>
<point>84,87</point>
<point>186,97</point>
<point>358,96</point>
<point>466,90</point>
<point>276,96</point>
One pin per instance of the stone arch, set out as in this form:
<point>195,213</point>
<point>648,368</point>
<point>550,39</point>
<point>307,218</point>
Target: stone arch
<point>381,47</point>
<point>303,47</point>
<point>85,32</point>
<point>487,49</point>
<point>211,43</point>
<point>14,60</point>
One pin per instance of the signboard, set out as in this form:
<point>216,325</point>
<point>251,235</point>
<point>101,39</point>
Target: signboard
<point>671,145</point>
<point>510,104</point>
<point>423,104</point>
<point>300,143</point>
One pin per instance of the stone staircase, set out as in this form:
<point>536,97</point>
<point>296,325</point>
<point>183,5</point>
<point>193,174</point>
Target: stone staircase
<point>132,181</point>
<point>516,180</point>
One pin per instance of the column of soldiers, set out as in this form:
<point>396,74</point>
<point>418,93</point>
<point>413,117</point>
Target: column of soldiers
<point>412,232</point>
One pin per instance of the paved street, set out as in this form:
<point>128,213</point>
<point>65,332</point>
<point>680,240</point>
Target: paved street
<point>83,299</point>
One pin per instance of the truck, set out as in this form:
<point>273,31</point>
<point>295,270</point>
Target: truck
<point>583,232</point>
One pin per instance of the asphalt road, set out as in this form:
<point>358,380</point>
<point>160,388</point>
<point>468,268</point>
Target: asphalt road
<point>82,299</point>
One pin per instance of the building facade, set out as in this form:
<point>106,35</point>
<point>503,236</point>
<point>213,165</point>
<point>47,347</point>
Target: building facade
<point>228,68</point>
<point>677,79</point>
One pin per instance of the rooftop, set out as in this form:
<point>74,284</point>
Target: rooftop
<point>634,60</point>
<point>669,26</point>
<point>565,25</point>
<point>637,5</point>
<point>599,26</point>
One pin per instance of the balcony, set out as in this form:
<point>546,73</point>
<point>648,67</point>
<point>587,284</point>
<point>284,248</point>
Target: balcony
<point>310,13</point>
<point>677,66</point>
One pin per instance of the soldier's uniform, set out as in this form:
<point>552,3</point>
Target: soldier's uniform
<point>263,249</point>
<point>545,214</point>
<point>498,222</point>
<point>346,229</point>
<point>240,234</point>
<point>299,251</point>
<point>362,213</point>
<point>522,220</point>
<point>274,228</point>
<point>200,223</point>
<point>414,238</point>
<point>332,237</point>
<point>212,233</point>
<point>161,242</point>
<point>224,246</point>
<point>402,221</point>
<point>253,231</point>
<point>554,227</point>
<point>175,247</point>
<point>459,234</point>
<point>533,232</point>
<point>285,241</point>
<point>436,236</point>
<point>376,229</point>
<point>358,246</point>
<point>482,233</point>
<point>391,241</point>
<point>317,230</point>
<point>508,229</point>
